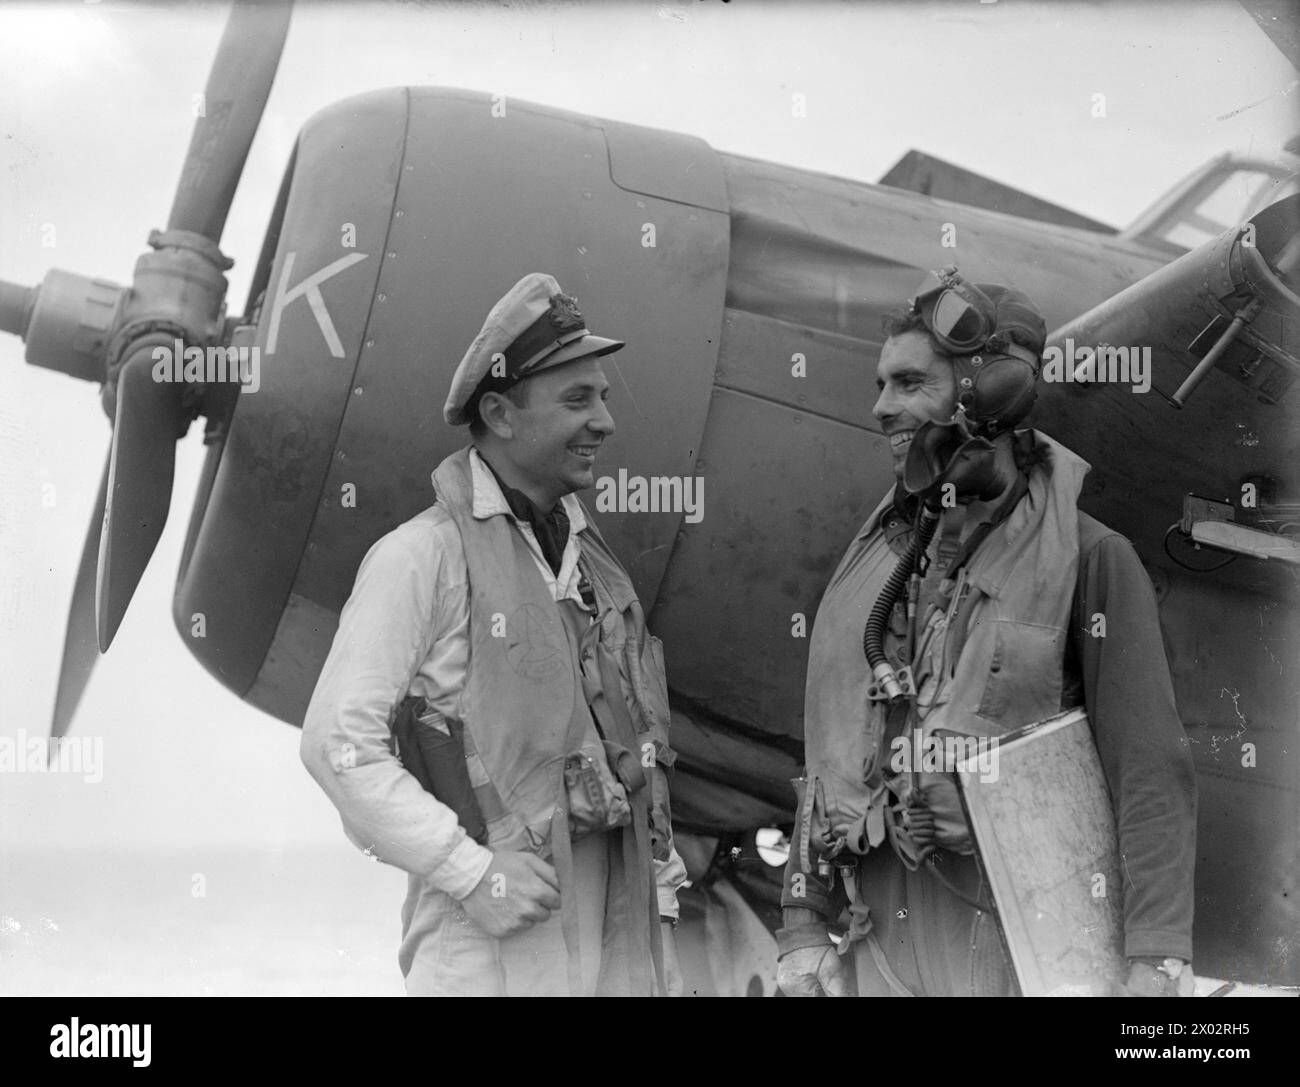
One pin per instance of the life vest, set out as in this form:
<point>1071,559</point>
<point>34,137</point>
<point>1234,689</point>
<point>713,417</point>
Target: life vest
<point>988,660</point>
<point>525,709</point>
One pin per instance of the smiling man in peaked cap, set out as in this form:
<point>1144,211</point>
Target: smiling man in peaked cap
<point>499,640</point>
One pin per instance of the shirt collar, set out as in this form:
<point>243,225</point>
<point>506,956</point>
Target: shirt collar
<point>873,521</point>
<point>490,502</point>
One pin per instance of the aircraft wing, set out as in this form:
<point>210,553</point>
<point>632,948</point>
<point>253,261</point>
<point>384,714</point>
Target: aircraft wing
<point>1222,328</point>
<point>1229,306</point>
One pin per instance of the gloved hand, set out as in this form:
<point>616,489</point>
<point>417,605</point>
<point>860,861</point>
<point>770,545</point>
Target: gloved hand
<point>812,971</point>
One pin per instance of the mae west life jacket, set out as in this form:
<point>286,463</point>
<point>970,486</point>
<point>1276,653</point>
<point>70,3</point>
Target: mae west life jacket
<point>525,705</point>
<point>987,662</point>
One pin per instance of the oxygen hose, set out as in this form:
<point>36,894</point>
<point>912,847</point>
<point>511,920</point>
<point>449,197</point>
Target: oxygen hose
<point>873,635</point>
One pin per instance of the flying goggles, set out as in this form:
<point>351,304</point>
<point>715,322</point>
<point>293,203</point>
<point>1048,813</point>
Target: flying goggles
<point>960,316</point>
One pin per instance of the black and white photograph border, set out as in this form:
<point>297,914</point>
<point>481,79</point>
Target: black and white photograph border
<point>244,249</point>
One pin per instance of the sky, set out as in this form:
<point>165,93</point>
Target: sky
<point>95,117</point>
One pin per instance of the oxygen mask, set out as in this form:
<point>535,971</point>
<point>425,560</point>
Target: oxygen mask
<point>947,461</point>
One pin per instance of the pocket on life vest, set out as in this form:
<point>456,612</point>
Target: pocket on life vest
<point>597,802</point>
<point>652,690</point>
<point>1023,677</point>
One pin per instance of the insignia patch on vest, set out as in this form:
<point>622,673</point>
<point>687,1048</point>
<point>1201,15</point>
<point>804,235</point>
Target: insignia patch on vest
<point>533,644</point>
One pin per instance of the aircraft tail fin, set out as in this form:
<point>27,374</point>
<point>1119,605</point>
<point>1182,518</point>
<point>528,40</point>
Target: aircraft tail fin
<point>918,172</point>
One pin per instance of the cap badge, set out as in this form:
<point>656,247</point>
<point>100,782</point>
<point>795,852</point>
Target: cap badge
<point>564,313</point>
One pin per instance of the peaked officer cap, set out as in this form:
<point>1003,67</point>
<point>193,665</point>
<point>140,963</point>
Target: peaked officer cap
<point>533,328</point>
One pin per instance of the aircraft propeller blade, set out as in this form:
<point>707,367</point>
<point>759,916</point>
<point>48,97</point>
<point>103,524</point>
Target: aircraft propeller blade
<point>149,416</point>
<point>142,462</point>
<point>238,85</point>
<point>80,643</point>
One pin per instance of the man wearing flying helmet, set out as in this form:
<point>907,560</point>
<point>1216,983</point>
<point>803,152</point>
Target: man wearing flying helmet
<point>968,590</point>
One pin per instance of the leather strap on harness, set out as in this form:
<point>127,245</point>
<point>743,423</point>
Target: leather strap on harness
<point>882,964</point>
<point>562,853</point>
<point>638,871</point>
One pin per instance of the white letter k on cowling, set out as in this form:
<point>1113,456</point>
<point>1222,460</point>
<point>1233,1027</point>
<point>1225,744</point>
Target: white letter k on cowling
<point>311,288</point>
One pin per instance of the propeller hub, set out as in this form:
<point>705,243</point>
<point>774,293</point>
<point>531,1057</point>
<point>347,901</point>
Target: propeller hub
<point>178,290</point>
